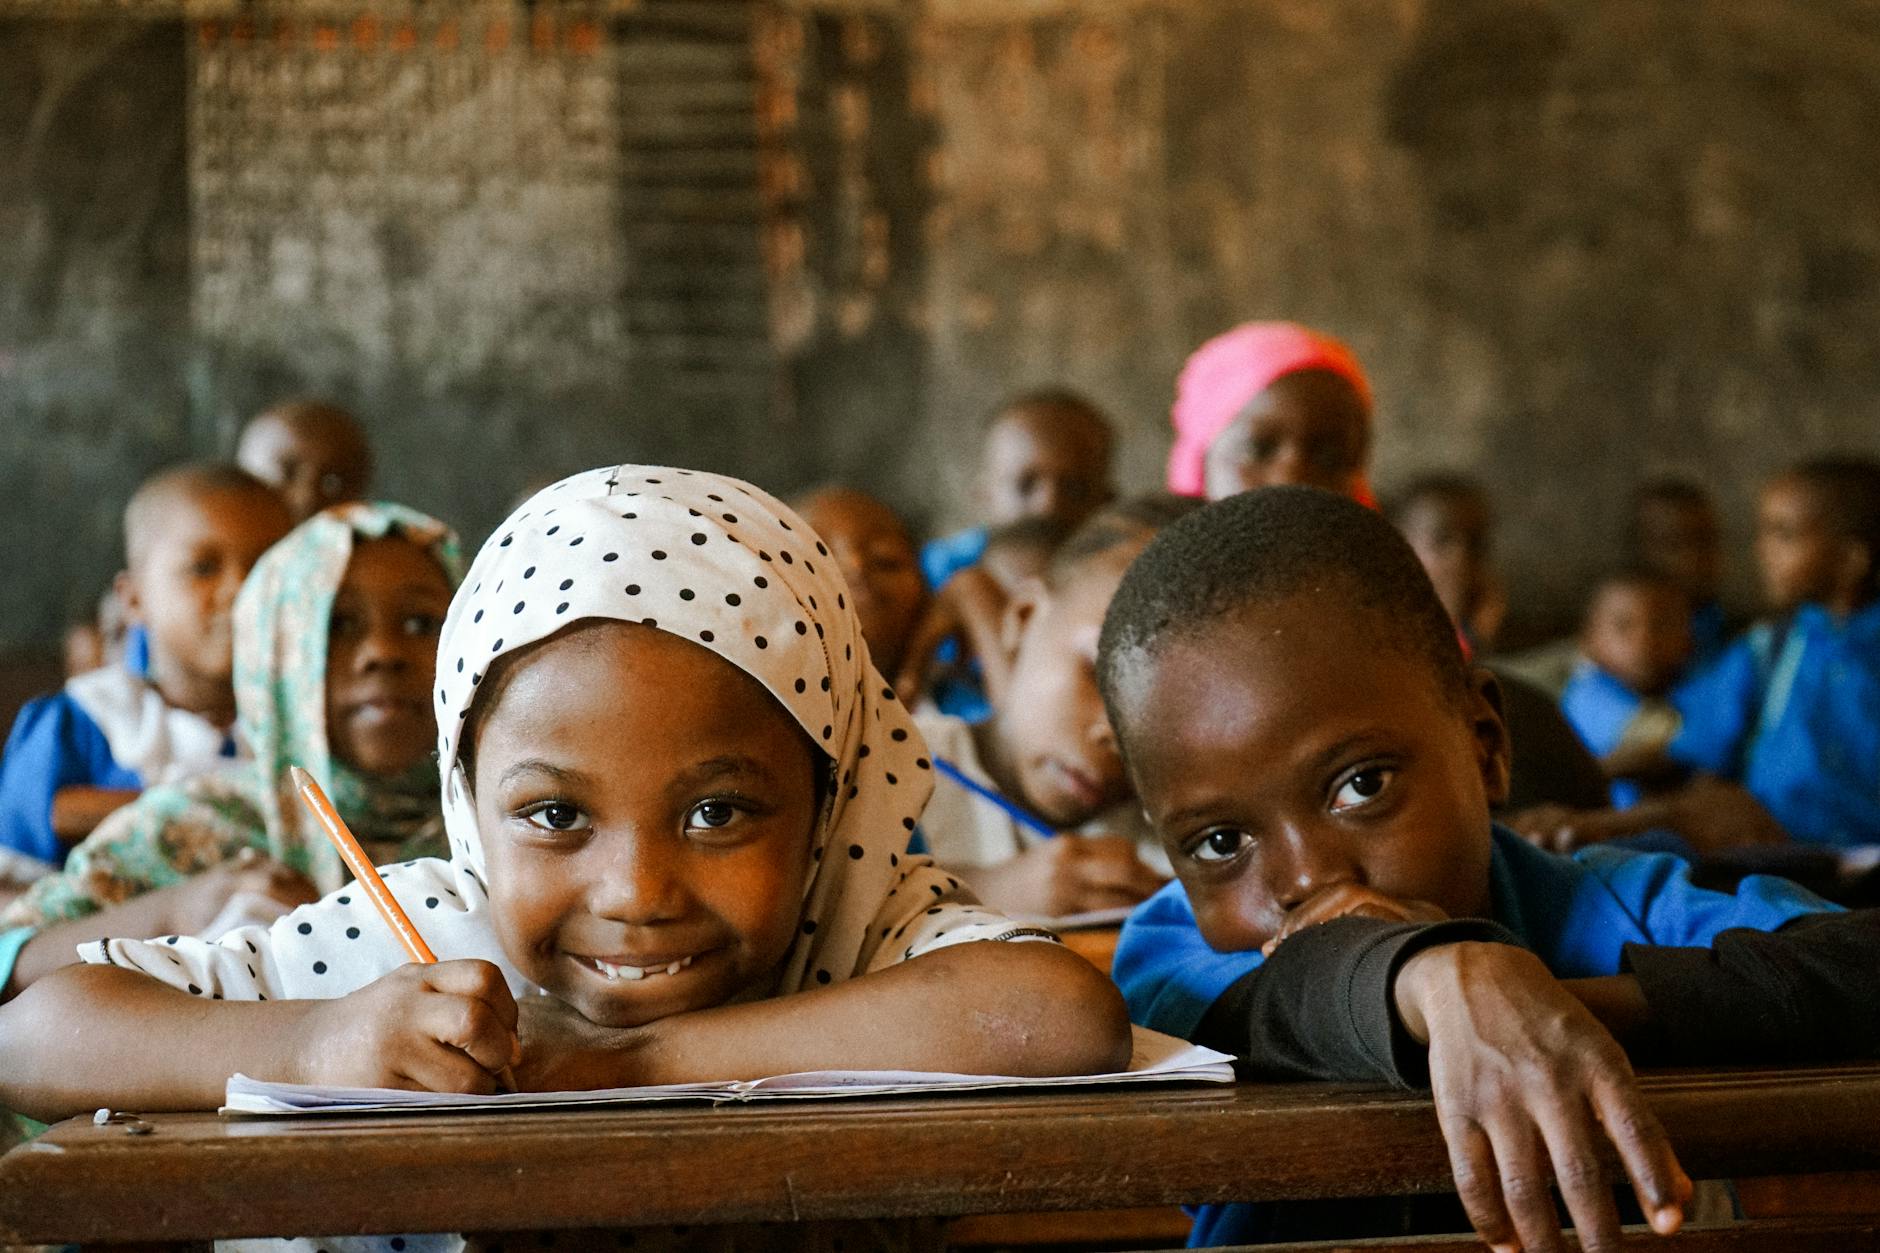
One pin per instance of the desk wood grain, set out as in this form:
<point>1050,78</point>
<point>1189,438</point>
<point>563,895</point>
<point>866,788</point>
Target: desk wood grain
<point>198,1176</point>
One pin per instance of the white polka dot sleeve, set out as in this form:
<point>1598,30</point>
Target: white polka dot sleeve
<point>327,949</point>
<point>928,909</point>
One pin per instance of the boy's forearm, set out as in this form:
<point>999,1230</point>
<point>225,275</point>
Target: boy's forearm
<point>979,1008</point>
<point>76,811</point>
<point>1616,1000</point>
<point>92,1036</point>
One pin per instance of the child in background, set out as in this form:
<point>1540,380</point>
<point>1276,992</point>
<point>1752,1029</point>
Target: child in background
<point>315,454</point>
<point>1046,761</point>
<point>1675,533</point>
<point>1046,454</point>
<point>1635,646</point>
<point>678,799</point>
<point>1320,763</point>
<point>875,552</point>
<point>1447,519</point>
<point>190,534</point>
<point>1792,710</point>
<point>1783,724</point>
<point>1269,403</point>
<point>335,649</point>
<point>970,609</point>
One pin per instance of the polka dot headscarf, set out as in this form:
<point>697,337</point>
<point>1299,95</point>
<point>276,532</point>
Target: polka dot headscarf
<point>715,561</point>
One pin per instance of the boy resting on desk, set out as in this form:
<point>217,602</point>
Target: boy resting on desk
<point>1294,709</point>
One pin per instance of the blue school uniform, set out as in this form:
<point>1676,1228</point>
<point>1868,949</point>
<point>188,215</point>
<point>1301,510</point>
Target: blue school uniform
<point>1794,716</point>
<point>1575,913</point>
<point>958,692</point>
<point>105,729</point>
<point>941,559</point>
<point>1600,707</point>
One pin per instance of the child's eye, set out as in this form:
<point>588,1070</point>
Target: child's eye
<point>556,816</point>
<point>1220,845</point>
<point>1361,788</point>
<point>204,567</point>
<point>423,624</point>
<point>712,815</point>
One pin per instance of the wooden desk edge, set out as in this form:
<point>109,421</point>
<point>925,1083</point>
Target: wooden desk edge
<point>901,1157</point>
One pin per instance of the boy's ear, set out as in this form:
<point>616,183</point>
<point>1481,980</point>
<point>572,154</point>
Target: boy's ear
<point>124,587</point>
<point>1854,569</point>
<point>1494,750</point>
<point>1025,601</point>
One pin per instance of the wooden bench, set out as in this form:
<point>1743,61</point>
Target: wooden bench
<point>199,1176</point>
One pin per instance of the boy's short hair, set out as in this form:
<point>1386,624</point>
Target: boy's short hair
<point>1847,489</point>
<point>1061,399</point>
<point>1126,521</point>
<point>1448,484</point>
<point>1632,574</point>
<point>1039,532</point>
<point>1672,489</point>
<point>1267,546</point>
<point>189,480</point>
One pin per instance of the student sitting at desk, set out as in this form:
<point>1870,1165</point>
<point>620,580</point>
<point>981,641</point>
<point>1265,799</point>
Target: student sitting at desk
<point>1046,761</point>
<point>191,534</point>
<point>335,640</point>
<point>1310,745</point>
<point>678,799</point>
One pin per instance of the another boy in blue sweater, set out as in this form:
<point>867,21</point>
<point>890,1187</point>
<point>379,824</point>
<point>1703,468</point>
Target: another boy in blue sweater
<point>1320,764</point>
<point>191,534</point>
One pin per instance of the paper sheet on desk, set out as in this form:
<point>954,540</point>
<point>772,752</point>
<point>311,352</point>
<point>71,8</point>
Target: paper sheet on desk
<point>1155,1058</point>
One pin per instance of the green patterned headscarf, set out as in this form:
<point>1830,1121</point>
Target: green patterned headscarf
<point>281,621</point>
<point>280,687</point>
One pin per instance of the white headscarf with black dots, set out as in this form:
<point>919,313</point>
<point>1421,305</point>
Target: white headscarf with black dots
<point>712,560</point>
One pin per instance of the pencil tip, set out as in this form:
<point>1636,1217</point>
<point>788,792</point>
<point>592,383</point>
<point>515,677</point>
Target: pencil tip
<point>300,777</point>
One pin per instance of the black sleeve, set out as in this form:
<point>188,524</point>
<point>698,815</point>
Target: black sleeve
<point>1807,992</point>
<point>1322,1006</point>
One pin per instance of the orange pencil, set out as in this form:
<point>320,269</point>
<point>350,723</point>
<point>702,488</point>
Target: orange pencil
<point>367,876</point>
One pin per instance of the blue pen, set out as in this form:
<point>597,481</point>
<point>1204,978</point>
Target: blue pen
<point>1020,815</point>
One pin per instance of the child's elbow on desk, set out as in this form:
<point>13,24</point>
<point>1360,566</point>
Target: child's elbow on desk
<point>1040,1009</point>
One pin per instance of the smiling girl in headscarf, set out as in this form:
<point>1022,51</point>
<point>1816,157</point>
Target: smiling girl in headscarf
<point>1271,403</point>
<point>678,797</point>
<point>335,644</point>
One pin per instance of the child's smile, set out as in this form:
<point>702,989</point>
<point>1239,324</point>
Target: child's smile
<point>647,812</point>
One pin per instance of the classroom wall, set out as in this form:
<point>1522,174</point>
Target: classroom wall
<point>1576,242</point>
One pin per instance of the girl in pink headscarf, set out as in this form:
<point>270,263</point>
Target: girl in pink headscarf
<point>1269,403</point>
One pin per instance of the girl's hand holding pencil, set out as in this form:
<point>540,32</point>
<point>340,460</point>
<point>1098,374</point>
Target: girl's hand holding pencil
<point>443,1027</point>
<point>430,1026</point>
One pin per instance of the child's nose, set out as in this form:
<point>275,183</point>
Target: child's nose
<point>638,886</point>
<point>1312,862</point>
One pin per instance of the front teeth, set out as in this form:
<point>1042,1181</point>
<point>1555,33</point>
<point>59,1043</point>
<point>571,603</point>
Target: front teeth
<point>634,973</point>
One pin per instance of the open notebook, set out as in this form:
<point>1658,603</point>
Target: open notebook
<point>1155,1058</point>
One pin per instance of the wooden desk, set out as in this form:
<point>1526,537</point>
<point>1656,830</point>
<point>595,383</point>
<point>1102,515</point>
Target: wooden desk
<point>199,1176</point>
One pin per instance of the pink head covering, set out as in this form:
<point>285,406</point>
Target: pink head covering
<point>1231,369</point>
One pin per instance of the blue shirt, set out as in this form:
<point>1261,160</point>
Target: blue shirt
<point>55,744</point>
<point>958,691</point>
<point>1795,718</point>
<point>1576,913</point>
<point>1599,707</point>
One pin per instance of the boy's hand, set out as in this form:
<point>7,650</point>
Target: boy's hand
<point>1560,829</point>
<point>186,908</point>
<point>1071,874</point>
<point>1522,1074</point>
<point>449,1027</point>
<point>1350,898</point>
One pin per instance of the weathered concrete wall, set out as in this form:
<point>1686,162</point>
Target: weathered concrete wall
<point>1576,242</point>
